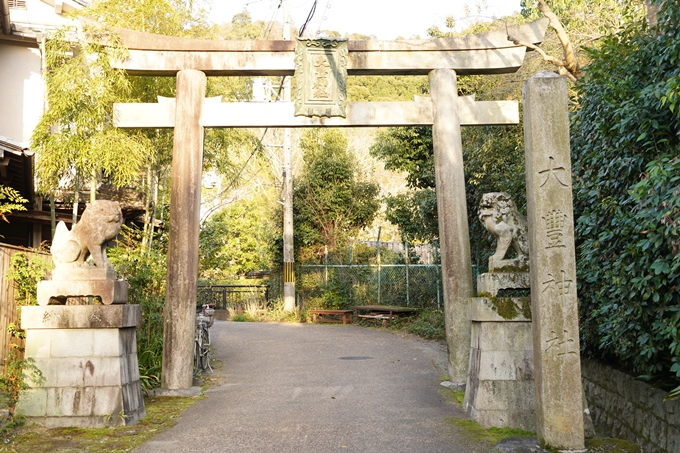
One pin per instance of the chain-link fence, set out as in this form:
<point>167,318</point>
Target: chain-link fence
<point>413,285</point>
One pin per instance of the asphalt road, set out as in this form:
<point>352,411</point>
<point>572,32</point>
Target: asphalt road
<point>319,388</point>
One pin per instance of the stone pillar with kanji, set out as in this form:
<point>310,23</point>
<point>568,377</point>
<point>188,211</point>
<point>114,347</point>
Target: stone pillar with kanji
<point>552,262</point>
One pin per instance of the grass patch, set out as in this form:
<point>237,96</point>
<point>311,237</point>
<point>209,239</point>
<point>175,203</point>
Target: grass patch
<point>428,324</point>
<point>245,317</point>
<point>274,312</point>
<point>456,397</point>
<point>475,432</point>
<point>161,413</point>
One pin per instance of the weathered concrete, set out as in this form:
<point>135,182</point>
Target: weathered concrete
<point>532,32</point>
<point>552,263</point>
<point>500,386</point>
<point>492,282</point>
<point>110,291</point>
<point>454,237</point>
<point>187,161</point>
<point>499,309</point>
<point>281,114</point>
<point>484,53</point>
<point>88,357</point>
<point>81,317</point>
<point>627,408</point>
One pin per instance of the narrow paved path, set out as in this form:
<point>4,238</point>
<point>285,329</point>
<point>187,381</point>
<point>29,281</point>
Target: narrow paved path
<point>319,388</point>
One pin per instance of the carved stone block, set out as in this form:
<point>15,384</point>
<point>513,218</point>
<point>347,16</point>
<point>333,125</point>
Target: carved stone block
<point>321,76</point>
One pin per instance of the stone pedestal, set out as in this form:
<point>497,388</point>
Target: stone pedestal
<point>76,283</point>
<point>88,357</point>
<point>500,386</point>
<point>491,283</point>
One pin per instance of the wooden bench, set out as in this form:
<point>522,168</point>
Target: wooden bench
<point>377,317</point>
<point>332,315</point>
<point>383,313</point>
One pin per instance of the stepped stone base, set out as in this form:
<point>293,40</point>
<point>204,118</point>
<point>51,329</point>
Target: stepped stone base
<point>500,387</point>
<point>88,357</point>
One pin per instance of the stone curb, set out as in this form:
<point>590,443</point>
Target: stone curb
<point>193,391</point>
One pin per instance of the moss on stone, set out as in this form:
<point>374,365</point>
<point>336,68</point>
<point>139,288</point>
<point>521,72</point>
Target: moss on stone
<point>505,307</point>
<point>452,396</point>
<point>510,307</point>
<point>525,308</point>
<point>475,432</point>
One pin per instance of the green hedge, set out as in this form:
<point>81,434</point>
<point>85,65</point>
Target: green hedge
<point>625,144</point>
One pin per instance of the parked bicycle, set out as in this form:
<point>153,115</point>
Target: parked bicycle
<point>205,317</point>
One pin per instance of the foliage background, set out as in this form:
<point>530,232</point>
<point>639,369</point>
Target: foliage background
<point>626,144</point>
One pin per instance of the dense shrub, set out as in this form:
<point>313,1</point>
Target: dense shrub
<point>145,271</point>
<point>626,143</point>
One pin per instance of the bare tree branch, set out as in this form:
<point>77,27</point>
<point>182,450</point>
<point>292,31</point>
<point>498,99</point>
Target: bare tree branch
<point>569,55</point>
<point>569,66</point>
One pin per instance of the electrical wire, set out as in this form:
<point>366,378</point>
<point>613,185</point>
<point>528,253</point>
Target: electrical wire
<point>309,18</point>
<point>270,26</point>
<point>260,141</point>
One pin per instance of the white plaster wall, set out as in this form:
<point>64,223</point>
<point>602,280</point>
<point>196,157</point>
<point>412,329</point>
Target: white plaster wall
<point>22,91</point>
<point>39,12</point>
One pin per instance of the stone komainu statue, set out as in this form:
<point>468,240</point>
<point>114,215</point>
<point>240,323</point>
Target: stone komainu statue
<point>99,224</point>
<point>499,215</point>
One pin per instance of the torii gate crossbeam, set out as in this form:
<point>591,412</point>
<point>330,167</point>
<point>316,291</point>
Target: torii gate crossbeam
<point>191,60</point>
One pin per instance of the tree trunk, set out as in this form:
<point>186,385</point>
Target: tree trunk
<point>147,208</point>
<point>154,181</point>
<point>76,195</point>
<point>93,187</point>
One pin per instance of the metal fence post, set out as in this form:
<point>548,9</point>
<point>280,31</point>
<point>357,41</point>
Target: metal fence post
<point>351,275</point>
<point>408,259</point>
<point>379,284</point>
<point>325,265</point>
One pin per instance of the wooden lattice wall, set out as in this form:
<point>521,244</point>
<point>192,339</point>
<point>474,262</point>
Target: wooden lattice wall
<point>8,307</point>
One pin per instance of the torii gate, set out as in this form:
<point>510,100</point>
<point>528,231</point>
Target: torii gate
<point>441,59</point>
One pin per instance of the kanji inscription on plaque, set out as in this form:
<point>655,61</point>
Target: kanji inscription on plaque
<point>321,76</point>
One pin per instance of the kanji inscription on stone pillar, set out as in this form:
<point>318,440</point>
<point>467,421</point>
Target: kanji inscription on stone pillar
<point>552,261</point>
<point>321,76</point>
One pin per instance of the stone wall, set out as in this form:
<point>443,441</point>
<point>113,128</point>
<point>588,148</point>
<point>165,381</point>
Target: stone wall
<point>629,409</point>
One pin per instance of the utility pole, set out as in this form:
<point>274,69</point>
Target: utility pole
<point>288,257</point>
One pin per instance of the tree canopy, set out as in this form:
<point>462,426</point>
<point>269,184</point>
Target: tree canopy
<point>236,240</point>
<point>331,201</point>
<point>75,136</point>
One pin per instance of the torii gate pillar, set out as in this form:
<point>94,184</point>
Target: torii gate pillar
<point>454,237</point>
<point>187,162</point>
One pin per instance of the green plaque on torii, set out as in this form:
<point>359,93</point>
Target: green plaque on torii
<point>321,76</point>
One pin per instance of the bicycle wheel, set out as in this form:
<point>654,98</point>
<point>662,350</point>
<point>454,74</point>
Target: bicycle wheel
<point>205,349</point>
<point>197,356</point>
